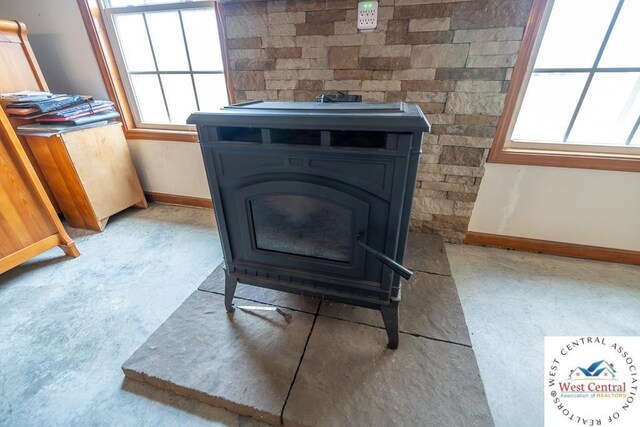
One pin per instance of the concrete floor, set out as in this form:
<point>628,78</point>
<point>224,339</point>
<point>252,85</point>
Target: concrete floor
<point>512,299</point>
<point>68,325</point>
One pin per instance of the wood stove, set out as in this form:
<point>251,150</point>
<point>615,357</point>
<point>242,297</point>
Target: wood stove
<point>315,198</point>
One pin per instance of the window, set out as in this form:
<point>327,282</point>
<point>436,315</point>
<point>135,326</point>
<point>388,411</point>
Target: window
<point>574,98</point>
<point>171,57</point>
<point>160,60</point>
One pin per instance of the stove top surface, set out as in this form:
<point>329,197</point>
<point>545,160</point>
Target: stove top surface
<point>399,116</point>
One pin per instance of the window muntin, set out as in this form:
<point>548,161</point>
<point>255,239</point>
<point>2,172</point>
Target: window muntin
<point>584,88</point>
<point>169,52</point>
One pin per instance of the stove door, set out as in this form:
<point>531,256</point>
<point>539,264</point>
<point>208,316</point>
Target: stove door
<point>299,225</point>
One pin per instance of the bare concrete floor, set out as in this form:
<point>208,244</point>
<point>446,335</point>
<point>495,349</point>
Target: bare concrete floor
<point>512,300</point>
<point>66,326</point>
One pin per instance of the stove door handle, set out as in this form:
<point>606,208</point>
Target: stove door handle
<point>398,268</point>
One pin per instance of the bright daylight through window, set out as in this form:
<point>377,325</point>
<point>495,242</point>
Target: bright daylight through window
<point>585,84</point>
<point>170,53</point>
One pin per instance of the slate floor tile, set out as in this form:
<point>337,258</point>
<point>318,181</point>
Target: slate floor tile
<point>349,378</point>
<point>430,307</point>
<point>426,253</point>
<point>244,362</point>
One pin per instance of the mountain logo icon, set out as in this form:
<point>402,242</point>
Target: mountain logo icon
<point>600,370</point>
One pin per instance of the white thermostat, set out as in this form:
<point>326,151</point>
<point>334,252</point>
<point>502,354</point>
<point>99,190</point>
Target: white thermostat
<point>367,15</point>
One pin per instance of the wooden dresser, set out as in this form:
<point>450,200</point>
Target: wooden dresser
<point>90,173</point>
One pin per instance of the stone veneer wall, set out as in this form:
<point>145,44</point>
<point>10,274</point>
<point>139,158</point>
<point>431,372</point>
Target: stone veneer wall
<point>453,58</point>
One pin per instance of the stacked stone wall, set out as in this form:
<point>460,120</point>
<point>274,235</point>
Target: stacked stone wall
<point>453,58</point>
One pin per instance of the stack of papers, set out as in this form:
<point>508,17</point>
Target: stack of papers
<point>79,114</point>
<point>26,95</point>
<point>56,112</point>
<point>38,129</point>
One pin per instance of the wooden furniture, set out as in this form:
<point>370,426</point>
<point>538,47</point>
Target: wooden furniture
<point>90,173</point>
<point>20,71</point>
<point>28,223</point>
<point>19,65</point>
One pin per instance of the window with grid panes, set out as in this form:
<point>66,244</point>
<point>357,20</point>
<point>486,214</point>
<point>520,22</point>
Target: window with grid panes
<point>584,88</point>
<point>170,53</point>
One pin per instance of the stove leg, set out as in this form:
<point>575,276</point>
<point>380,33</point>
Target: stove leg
<point>230,284</point>
<point>390,317</point>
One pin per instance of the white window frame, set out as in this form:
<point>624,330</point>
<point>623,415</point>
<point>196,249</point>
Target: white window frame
<point>110,12</point>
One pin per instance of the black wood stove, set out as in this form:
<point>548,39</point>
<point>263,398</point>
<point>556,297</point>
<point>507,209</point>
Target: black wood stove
<point>315,198</point>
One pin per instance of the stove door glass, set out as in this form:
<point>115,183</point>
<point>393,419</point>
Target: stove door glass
<point>302,225</point>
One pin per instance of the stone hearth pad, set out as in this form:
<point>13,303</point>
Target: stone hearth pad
<point>244,362</point>
<point>215,283</point>
<point>349,377</point>
<point>430,307</point>
<point>426,253</point>
<point>345,373</point>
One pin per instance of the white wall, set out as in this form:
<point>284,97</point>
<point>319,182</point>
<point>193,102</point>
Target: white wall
<point>170,167</point>
<point>589,207</point>
<point>60,42</point>
<point>61,45</point>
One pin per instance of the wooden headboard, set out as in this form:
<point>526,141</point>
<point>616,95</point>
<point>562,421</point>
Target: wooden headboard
<point>29,225</point>
<point>20,70</point>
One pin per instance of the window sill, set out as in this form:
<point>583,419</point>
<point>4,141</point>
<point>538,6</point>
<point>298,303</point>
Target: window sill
<point>566,159</point>
<point>162,135</point>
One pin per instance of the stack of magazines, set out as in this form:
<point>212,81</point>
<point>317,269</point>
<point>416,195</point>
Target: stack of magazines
<point>57,111</point>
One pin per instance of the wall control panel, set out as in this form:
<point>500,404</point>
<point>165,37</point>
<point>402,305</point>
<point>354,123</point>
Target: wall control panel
<point>367,15</point>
